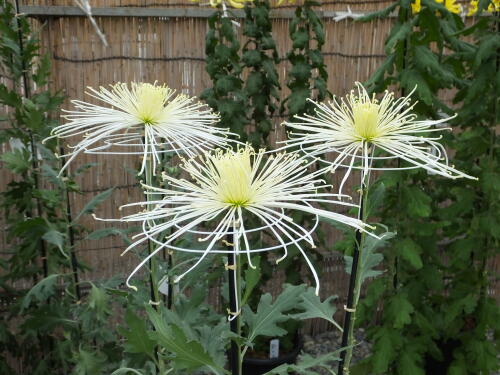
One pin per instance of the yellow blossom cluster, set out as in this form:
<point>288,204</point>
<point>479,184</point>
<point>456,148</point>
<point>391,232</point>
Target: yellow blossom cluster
<point>234,3</point>
<point>456,8</point>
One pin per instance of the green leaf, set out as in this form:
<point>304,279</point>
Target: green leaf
<point>127,371</point>
<point>425,59</point>
<point>313,307</point>
<point>98,301</point>
<point>369,259</point>
<point>189,354</point>
<point>398,33</point>
<point>252,277</point>
<point>378,14</point>
<point>410,251</point>
<point>56,238</point>
<point>105,232</point>
<point>385,348</point>
<point>18,160</point>
<point>487,48</point>
<point>264,322</point>
<point>410,363</point>
<point>89,362</point>
<point>91,206</point>
<point>252,57</point>
<point>308,365</point>
<point>136,334</point>
<point>399,310</point>
<point>411,79</point>
<point>417,201</point>
<point>300,39</point>
<point>42,291</point>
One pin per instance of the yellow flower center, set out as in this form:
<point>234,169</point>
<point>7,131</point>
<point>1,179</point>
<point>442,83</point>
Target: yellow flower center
<point>234,170</point>
<point>366,119</point>
<point>150,104</point>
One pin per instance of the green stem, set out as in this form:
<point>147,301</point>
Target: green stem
<point>153,265</point>
<point>238,296</point>
<point>234,281</point>
<point>355,282</point>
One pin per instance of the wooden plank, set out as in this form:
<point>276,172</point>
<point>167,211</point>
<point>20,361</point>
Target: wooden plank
<point>69,11</point>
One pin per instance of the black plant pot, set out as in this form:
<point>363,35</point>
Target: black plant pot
<point>259,366</point>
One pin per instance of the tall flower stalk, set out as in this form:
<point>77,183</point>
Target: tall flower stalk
<point>227,192</point>
<point>144,119</point>
<point>363,128</point>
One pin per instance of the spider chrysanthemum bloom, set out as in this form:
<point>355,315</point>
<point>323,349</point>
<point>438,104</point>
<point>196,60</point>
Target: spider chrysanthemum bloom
<point>140,118</point>
<point>225,189</point>
<point>353,127</point>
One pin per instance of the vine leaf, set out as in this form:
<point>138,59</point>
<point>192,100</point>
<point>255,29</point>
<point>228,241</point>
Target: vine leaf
<point>264,322</point>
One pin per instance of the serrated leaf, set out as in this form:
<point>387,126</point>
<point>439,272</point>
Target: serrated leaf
<point>92,205</point>
<point>188,354</point>
<point>411,79</point>
<point>18,160</point>
<point>369,259</point>
<point>409,363</point>
<point>136,334</point>
<point>264,322</point>
<point>399,310</point>
<point>418,202</point>
<point>89,362</point>
<point>410,251</point>
<point>312,307</point>
<point>398,33</point>
<point>385,349</point>
<point>44,289</point>
<point>307,365</point>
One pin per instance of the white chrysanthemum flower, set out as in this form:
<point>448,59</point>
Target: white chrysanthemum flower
<point>350,127</point>
<point>227,188</point>
<point>145,119</point>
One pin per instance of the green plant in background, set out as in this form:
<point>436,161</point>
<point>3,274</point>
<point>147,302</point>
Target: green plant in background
<point>48,328</point>
<point>262,84</point>
<point>224,67</point>
<point>435,314</point>
<point>307,78</point>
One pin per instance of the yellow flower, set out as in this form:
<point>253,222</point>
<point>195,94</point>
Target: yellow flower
<point>494,6</point>
<point>472,7</point>
<point>234,3</point>
<point>416,6</point>
<point>451,5</point>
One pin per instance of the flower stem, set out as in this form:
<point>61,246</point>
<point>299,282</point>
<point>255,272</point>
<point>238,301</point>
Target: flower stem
<point>234,278</point>
<point>355,283</point>
<point>153,266</point>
